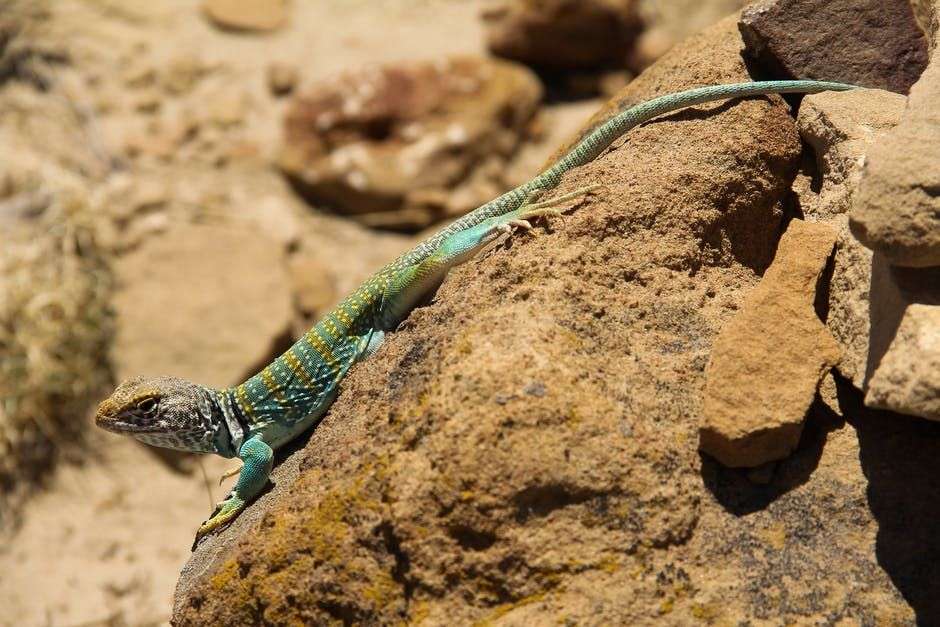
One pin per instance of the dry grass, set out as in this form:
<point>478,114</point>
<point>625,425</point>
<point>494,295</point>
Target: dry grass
<point>55,327</point>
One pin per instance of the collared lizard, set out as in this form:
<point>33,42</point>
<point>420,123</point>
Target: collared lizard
<point>293,392</point>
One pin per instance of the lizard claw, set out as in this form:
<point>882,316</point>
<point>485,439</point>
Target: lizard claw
<point>225,512</point>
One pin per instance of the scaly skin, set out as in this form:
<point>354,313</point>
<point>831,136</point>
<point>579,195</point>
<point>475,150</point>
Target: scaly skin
<point>293,392</point>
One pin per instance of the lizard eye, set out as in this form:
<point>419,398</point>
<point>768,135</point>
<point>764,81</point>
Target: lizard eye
<point>147,405</point>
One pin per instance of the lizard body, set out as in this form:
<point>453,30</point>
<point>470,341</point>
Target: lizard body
<point>293,392</point>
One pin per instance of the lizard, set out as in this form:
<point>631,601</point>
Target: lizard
<point>293,392</point>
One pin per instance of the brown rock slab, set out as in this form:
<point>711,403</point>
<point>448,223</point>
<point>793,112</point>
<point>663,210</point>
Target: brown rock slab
<point>524,450</point>
<point>841,128</point>
<point>768,360</point>
<point>392,146</point>
<point>246,15</point>
<point>897,208</point>
<point>872,43</point>
<point>562,34</point>
<point>210,304</point>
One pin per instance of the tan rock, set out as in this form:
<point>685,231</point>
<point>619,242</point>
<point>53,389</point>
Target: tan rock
<point>228,108</point>
<point>841,127</point>
<point>205,303</point>
<point>907,378</point>
<point>666,23</point>
<point>386,139</point>
<point>902,372</point>
<point>282,78</point>
<point>768,360</point>
<point>246,15</point>
<point>274,216</point>
<point>562,34</point>
<point>313,289</point>
<point>897,209</point>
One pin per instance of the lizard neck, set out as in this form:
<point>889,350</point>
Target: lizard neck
<point>235,428</point>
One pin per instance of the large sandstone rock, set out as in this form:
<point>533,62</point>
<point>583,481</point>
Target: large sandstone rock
<point>562,34</point>
<point>897,208</point>
<point>403,146</point>
<point>524,450</point>
<point>873,43</point>
<point>841,128</point>
<point>768,360</point>
<point>209,304</point>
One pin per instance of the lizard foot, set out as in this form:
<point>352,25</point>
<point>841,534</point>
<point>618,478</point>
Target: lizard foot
<point>225,512</point>
<point>549,207</point>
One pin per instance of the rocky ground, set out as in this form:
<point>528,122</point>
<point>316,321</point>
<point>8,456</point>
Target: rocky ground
<point>707,395</point>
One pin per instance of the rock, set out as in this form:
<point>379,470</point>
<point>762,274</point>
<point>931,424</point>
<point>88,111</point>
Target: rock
<point>282,78</point>
<point>768,360</point>
<point>907,378</point>
<point>481,468</point>
<point>666,23</point>
<point>210,304</point>
<point>897,208</point>
<point>378,144</point>
<point>182,73</point>
<point>228,108</point>
<point>246,15</point>
<point>902,373</point>
<point>562,34</point>
<point>274,216</point>
<point>873,43</point>
<point>841,128</point>
<point>313,289</point>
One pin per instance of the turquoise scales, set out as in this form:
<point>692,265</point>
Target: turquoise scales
<point>290,394</point>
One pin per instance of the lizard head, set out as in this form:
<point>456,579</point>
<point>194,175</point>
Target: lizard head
<point>162,411</point>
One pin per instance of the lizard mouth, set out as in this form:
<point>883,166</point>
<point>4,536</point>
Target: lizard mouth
<point>114,424</point>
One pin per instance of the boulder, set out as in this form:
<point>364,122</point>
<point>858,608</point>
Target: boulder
<point>872,43</point>
<point>391,146</point>
<point>768,360</point>
<point>562,34</point>
<point>524,449</point>
<point>207,303</point>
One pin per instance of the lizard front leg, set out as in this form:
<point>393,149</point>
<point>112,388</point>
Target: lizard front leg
<point>256,459</point>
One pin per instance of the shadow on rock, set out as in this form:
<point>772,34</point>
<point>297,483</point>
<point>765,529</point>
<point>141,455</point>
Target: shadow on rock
<point>899,456</point>
<point>743,491</point>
